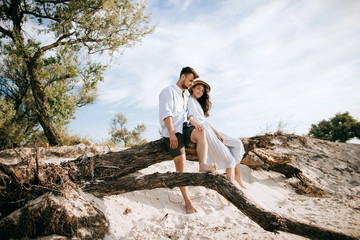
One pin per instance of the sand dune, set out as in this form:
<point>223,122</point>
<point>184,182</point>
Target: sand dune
<point>160,213</point>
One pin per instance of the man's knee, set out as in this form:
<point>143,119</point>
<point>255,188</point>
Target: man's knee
<point>180,163</point>
<point>179,159</point>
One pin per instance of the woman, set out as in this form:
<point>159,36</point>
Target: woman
<point>223,150</point>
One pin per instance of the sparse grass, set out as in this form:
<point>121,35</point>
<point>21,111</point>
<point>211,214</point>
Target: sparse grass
<point>106,142</point>
<point>280,128</point>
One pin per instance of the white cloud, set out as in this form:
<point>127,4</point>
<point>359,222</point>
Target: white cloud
<point>274,61</point>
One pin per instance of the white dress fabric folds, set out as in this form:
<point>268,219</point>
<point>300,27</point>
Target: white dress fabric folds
<point>225,155</point>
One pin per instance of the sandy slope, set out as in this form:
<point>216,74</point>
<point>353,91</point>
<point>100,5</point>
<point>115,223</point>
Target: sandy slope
<point>160,213</point>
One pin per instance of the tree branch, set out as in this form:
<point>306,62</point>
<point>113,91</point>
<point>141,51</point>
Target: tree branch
<point>7,32</point>
<point>42,16</point>
<point>69,42</point>
<point>122,163</point>
<point>269,221</point>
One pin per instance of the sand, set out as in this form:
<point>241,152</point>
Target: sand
<point>160,213</point>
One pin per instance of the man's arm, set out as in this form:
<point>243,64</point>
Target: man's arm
<point>170,127</point>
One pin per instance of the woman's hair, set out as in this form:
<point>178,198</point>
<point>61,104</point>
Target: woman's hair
<point>204,100</point>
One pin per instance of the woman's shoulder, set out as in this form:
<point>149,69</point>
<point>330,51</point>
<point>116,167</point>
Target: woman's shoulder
<point>192,101</point>
<point>191,98</point>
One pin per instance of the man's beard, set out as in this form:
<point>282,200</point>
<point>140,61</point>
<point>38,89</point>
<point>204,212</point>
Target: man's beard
<point>184,86</point>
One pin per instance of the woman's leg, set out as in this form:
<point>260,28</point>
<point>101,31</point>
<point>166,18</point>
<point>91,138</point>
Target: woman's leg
<point>230,173</point>
<point>238,176</point>
<point>199,138</point>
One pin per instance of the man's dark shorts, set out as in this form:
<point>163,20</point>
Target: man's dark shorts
<point>183,140</point>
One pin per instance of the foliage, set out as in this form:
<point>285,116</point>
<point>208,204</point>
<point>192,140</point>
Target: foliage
<point>67,139</point>
<point>120,134</point>
<point>340,128</point>
<point>46,74</point>
<point>8,133</point>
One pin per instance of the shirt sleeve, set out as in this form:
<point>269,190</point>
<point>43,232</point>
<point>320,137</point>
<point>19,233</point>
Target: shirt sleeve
<point>166,104</point>
<point>191,107</point>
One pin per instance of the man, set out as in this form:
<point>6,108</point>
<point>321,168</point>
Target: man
<point>176,130</point>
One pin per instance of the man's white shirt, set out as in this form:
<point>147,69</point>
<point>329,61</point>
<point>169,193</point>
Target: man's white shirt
<point>173,102</point>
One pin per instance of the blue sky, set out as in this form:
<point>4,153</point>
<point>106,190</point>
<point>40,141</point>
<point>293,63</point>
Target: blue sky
<point>268,62</point>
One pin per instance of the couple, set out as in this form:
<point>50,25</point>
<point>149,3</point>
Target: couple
<point>182,120</point>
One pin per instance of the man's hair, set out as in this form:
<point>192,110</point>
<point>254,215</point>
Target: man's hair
<point>189,70</point>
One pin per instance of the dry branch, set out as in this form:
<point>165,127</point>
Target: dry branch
<point>117,164</point>
<point>267,220</point>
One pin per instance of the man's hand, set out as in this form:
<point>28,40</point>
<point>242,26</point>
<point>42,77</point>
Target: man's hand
<point>173,140</point>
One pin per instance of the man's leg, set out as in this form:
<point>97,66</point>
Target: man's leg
<point>199,138</point>
<point>180,165</point>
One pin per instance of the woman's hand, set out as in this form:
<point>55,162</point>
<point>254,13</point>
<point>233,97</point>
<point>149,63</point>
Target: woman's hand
<point>195,124</point>
<point>199,127</point>
<point>221,138</point>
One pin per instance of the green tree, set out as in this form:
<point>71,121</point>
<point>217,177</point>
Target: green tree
<point>10,132</point>
<point>121,135</point>
<point>46,48</point>
<point>341,128</point>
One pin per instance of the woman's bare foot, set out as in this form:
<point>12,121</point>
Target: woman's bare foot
<point>239,181</point>
<point>190,208</point>
<point>208,168</point>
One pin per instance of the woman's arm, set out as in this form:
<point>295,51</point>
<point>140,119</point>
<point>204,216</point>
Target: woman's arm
<point>195,124</point>
<point>217,133</point>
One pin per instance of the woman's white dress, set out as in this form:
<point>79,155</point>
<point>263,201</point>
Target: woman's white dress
<point>225,155</point>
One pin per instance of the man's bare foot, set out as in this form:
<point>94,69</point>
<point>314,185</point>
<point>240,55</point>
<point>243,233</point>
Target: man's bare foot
<point>190,208</point>
<point>208,168</point>
<point>239,181</point>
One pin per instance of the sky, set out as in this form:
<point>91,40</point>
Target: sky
<point>271,64</point>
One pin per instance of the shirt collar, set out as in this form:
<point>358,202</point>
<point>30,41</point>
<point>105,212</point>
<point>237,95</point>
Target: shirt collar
<point>178,89</point>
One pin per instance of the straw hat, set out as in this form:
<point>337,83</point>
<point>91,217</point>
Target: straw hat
<point>197,82</point>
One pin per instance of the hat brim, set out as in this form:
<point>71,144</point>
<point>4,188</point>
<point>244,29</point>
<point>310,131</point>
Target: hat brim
<point>197,82</point>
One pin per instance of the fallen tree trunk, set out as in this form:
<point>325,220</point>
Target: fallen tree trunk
<point>117,164</point>
<point>267,220</point>
<point>107,174</point>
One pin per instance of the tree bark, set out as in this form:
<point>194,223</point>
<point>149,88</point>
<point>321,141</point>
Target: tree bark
<point>117,164</point>
<point>41,106</point>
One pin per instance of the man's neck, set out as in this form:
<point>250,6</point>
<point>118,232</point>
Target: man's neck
<point>180,86</point>
<point>182,89</point>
